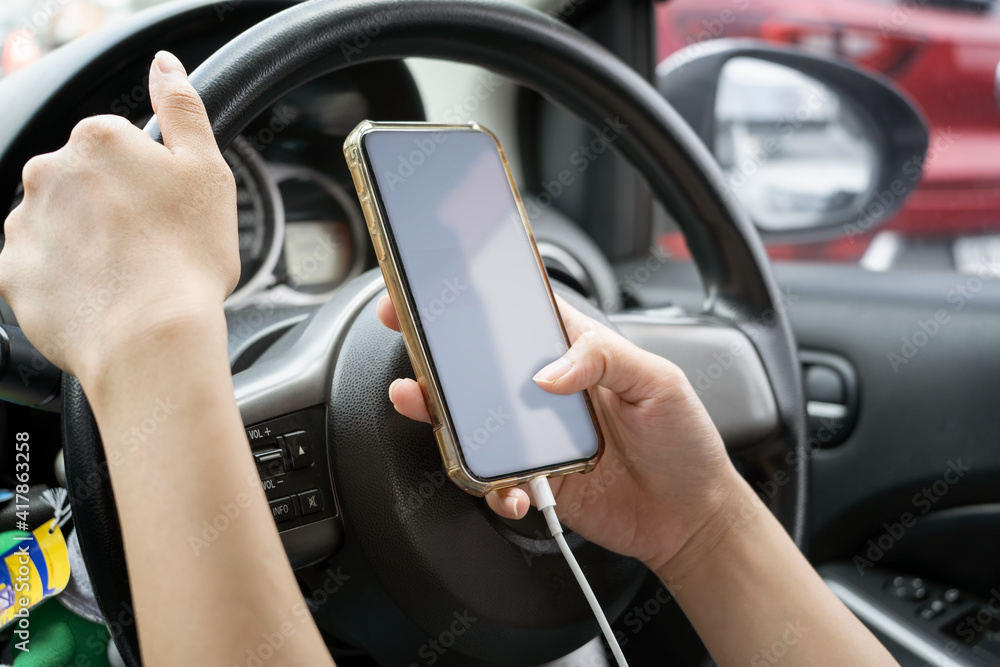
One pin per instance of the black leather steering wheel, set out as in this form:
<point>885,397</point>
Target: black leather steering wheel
<point>451,555</point>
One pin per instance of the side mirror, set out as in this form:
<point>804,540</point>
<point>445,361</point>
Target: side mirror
<point>811,147</point>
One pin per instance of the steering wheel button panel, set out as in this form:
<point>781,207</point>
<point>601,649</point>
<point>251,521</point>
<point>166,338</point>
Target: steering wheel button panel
<point>291,456</point>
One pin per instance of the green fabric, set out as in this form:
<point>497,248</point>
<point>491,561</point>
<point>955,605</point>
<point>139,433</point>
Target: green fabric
<point>60,638</point>
<point>11,538</point>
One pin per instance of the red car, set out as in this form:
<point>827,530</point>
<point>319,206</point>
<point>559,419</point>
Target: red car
<point>943,53</point>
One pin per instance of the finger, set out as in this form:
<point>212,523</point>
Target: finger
<point>36,171</point>
<point>408,400</point>
<point>576,322</point>
<point>602,357</point>
<point>512,503</point>
<point>179,109</point>
<point>387,313</point>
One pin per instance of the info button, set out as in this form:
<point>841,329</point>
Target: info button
<point>284,509</point>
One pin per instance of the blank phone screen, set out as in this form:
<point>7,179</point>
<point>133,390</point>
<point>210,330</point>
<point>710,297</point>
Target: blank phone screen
<point>480,297</point>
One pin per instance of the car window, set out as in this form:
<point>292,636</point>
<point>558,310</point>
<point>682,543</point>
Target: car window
<point>942,53</point>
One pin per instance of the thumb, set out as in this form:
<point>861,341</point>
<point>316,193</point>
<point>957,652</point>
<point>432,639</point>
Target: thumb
<point>602,357</point>
<point>179,109</point>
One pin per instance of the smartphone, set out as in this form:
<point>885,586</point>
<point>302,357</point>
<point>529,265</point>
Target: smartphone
<point>473,300</point>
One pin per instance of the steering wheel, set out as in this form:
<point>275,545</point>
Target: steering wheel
<point>415,569</point>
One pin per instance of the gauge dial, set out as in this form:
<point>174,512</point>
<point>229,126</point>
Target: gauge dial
<point>324,244</point>
<point>259,215</point>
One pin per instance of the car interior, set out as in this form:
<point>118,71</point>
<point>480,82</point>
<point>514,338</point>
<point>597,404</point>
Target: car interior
<point>854,396</point>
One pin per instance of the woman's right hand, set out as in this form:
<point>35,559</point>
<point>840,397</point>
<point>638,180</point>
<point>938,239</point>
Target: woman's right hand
<point>665,481</point>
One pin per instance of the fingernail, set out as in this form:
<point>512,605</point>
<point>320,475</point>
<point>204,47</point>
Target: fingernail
<point>510,506</point>
<point>393,384</point>
<point>169,64</point>
<point>551,373</point>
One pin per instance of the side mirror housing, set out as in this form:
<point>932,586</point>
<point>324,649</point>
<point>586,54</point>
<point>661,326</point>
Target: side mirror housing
<point>811,147</point>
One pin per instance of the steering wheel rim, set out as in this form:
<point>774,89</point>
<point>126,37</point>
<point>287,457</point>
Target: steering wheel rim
<point>322,36</point>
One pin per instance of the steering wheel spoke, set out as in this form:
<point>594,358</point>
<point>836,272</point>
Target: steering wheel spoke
<point>722,365</point>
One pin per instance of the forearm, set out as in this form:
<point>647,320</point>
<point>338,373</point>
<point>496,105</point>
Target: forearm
<point>753,597</point>
<point>209,575</point>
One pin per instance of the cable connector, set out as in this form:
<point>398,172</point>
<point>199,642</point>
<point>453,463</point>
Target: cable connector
<point>545,501</point>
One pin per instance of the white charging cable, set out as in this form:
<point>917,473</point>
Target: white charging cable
<point>546,502</point>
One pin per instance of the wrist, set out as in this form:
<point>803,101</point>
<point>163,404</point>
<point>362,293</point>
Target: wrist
<point>734,511</point>
<point>141,341</point>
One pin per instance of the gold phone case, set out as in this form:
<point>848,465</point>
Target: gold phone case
<point>406,311</point>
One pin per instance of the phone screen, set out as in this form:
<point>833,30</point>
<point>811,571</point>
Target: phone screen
<point>480,297</point>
